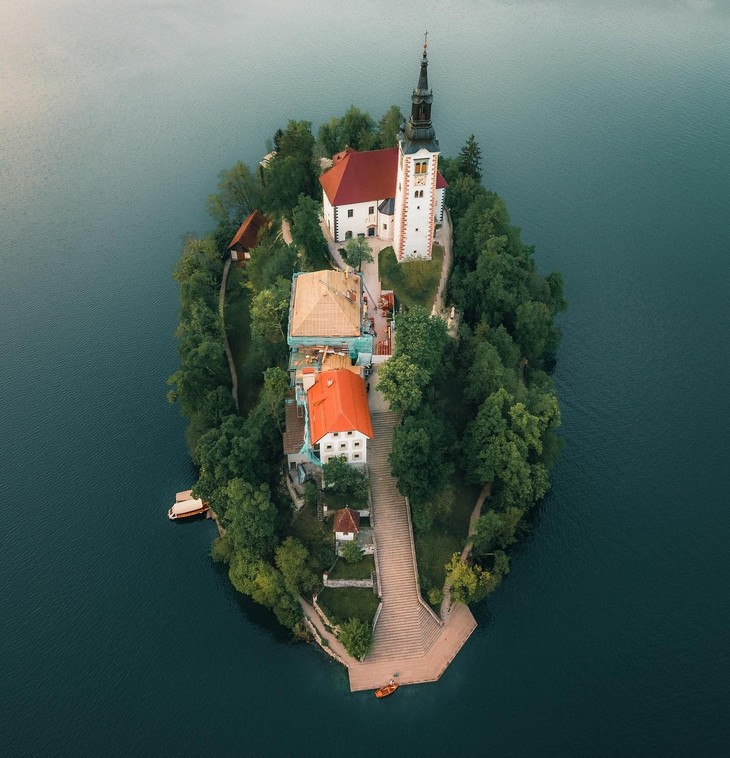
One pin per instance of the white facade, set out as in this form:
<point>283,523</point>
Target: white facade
<point>345,536</point>
<point>358,219</point>
<point>416,205</point>
<point>353,445</point>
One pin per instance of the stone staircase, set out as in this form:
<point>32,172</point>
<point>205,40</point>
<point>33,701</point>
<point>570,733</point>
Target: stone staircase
<point>406,627</point>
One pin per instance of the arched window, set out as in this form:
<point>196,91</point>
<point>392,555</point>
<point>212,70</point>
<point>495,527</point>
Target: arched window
<point>348,235</point>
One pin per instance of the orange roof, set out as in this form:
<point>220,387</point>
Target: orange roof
<point>346,521</point>
<point>360,177</point>
<point>247,235</point>
<point>338,402</point>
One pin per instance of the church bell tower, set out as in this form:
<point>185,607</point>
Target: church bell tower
<point>415,194</point>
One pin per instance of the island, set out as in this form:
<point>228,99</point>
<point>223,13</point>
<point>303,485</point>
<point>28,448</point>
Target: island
<point>365,354</point>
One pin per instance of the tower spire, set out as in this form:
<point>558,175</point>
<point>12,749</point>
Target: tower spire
<point>419,132</point>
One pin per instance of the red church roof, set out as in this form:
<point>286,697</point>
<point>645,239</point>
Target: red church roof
<point>362,177</point>
<point>247,235</point>
<point>338,402</point>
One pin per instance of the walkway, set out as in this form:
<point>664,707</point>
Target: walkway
<point>466,552</point>
<point>444,237</point>
<point>229,354</point>
<point>409,639</point>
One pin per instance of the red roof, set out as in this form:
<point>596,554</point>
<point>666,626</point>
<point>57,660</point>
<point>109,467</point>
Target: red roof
<point>247,235</point>
<point>346,521</point>
<point>362,177</point>
<point>338,402</point>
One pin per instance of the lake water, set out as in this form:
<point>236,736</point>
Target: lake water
<point>606,130</point>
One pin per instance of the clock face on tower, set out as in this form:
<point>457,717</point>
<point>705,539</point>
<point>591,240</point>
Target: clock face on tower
<point>420,180</point>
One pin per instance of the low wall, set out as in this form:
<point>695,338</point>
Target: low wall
<point>365,583</point>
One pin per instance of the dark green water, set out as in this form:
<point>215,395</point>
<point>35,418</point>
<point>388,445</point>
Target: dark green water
<point>606,132</point>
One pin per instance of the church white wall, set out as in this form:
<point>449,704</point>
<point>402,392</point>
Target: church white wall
<point>328,213</point>
<point>440,198</point>
<point>356,219</point>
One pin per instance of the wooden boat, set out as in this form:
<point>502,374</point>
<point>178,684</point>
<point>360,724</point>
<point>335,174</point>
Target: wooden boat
<point>387,689</point>
<point>187,508</point>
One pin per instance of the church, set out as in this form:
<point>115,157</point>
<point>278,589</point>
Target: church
<point>396,194</point>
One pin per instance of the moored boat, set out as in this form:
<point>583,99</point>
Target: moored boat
<point>187,508</point>
<point>387,689</point>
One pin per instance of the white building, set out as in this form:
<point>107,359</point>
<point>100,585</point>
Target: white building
<point>396,194</point>
<point>339,416</point>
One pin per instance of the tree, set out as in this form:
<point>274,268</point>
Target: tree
<point>357,251</point>
<point>293,560</point>
<point>269,312</point>
<point>389,127</point>
<point>352,552</point>
<point>275,389</point>
<point>343,478</point>
<point>239,193</point>
<point>251,518</point>
<point>285,179</point>
<point>420,459</point>
<point>467,583</point>
<point>532,329</point>
<point>401,381</point>
<point>356,129</point>
<point>470,158</point>
<point>494,528</point>
<point>307,233</point>
<point>422,338</point>
<point>357,637</point>
<point>271,259</point>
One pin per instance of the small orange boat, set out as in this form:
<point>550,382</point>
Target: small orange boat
<point>386,690</point>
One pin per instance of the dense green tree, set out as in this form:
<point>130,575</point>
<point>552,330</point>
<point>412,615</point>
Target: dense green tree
<point>470,159</point>
<point>239,193</point>
<point>402,381</point>
<point>357,251</point>
<point>357,637</point>
<point>270,260</point>
<point>422,338</point>
<point>496,529</point>
<point>251,517</point>
<point>389,128</point>
<point>343,478</point>
<point>294,563</point>
<point>284,180</point>
<point>307,233</point>
<point>232,449</point>
<point>356,129</point>
<point>269,312</point>
<point>468,583</point>
<point>273,392</point>
<point>420,459</point>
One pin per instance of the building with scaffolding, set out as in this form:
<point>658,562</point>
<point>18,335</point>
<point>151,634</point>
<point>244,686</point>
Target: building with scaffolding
<point>331,341</point>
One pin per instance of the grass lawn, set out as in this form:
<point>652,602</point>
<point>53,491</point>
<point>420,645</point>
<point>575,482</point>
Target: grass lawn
<point>238,327</point>
<point>435,547</point>
<point>335,501</point>
<point>414,282</point>
<point>360,570</point>
<point>344,603</point>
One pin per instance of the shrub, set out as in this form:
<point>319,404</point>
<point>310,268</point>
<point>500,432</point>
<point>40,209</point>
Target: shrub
<point>357,637</point>
<point>352,552</point>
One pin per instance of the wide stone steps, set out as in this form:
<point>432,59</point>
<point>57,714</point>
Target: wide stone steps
<point>405,628</point>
